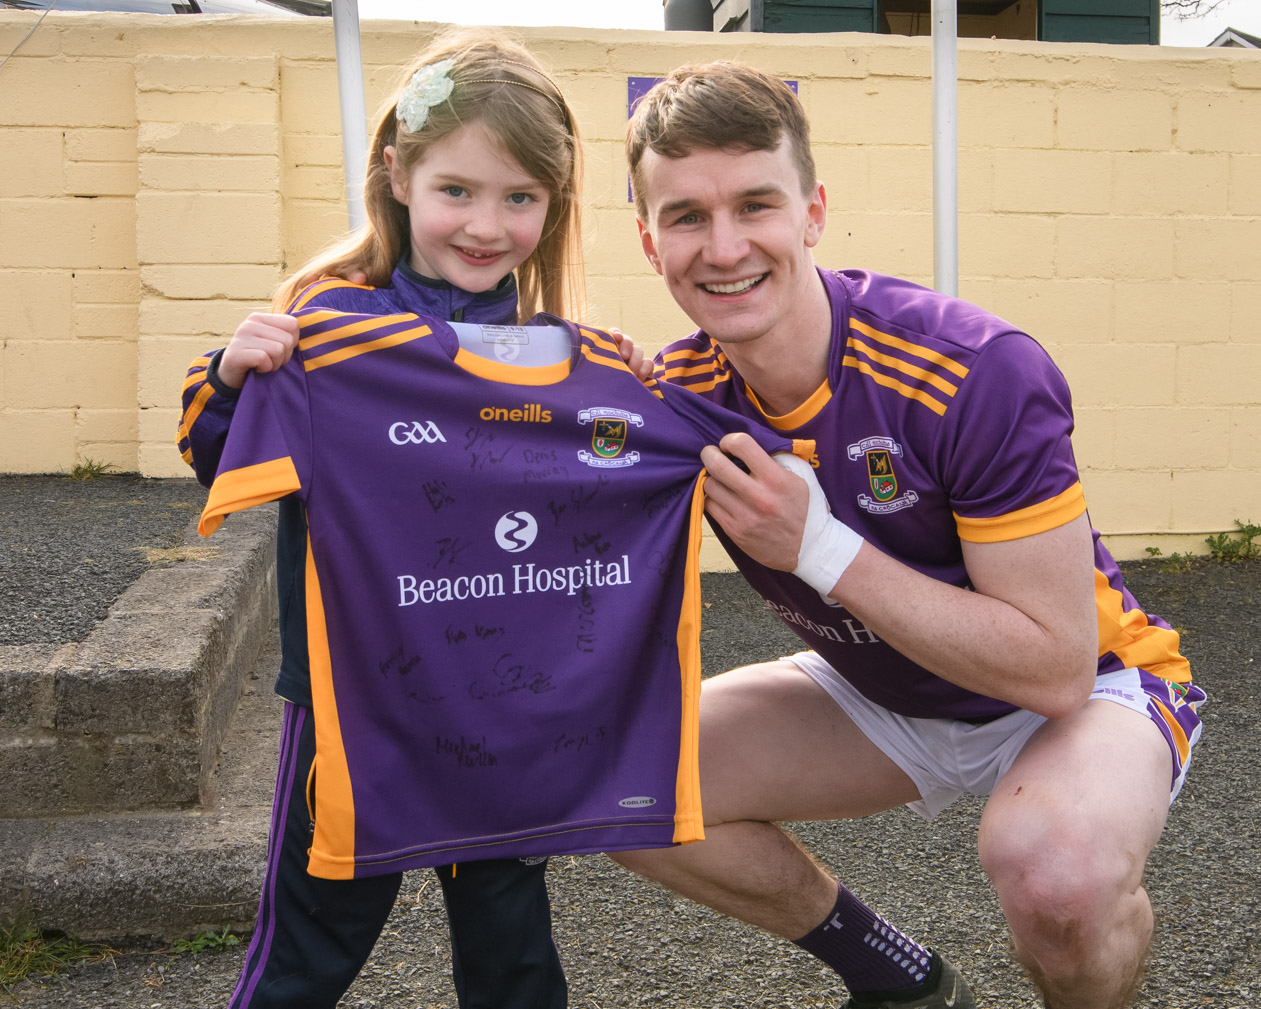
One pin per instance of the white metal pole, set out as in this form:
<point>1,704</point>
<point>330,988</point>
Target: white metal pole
<point>350,91</point>
<point>946,147</point>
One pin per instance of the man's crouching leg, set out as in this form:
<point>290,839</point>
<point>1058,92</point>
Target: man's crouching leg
<point>1065,838</point>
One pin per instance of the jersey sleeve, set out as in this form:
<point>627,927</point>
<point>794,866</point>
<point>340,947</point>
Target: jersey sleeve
<point>207,411</point>
<point>1006,451</point>
<point>267,451</point>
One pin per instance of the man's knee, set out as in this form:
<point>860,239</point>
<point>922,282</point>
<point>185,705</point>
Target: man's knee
<point>1056,881</point>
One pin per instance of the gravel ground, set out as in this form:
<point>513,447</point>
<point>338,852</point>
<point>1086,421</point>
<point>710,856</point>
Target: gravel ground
<point>627,943</point>
<point>68,548</point>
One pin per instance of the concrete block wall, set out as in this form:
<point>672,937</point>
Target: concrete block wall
<point>160,174</point>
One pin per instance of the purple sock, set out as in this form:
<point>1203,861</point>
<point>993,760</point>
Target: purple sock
<point>868,952</point>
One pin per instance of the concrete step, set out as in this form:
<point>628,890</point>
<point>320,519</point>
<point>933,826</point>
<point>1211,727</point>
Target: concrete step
<point>161,873</point>
<point>132,716</point>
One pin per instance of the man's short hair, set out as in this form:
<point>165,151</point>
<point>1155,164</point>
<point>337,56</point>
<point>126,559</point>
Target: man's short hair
<point>724,105</point>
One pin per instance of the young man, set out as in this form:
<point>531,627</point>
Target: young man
<point>969,632</point>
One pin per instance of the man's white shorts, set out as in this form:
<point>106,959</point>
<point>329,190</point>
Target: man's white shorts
<point>946,758</point>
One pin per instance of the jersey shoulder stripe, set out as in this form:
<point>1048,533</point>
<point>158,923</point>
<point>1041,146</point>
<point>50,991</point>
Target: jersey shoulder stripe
<point>701,368</point>
<point>320,329</point>
<point>319,287</point>
<point>909,347</point>
<point>906,365</point>
<point>919,394</point>
<point>599,348</point>
<point>1049,514</point>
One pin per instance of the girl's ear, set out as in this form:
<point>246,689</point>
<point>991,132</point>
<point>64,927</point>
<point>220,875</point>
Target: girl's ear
<point>398,179</point>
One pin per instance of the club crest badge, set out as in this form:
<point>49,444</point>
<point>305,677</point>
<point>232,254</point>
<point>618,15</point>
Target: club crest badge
<point>609,437</point>
<point>879,454</point>
<point>610,429</point>
<point>884,482</point>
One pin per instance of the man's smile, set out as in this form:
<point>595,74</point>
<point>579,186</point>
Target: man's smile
<point>735,287</point>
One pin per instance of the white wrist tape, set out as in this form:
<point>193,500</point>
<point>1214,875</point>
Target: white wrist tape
<point>828,545</point>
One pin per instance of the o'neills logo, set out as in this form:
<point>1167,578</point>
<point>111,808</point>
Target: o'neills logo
<point>528,413</point>
<point>525,579</point>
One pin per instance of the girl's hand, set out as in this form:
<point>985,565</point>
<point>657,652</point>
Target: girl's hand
<point>632,355</point>
<point>263,342</point>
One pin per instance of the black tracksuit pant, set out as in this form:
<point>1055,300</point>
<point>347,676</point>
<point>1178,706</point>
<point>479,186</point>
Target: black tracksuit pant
<point>314,935</point>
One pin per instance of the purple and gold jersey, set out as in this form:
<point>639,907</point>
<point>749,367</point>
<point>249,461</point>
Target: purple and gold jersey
<point>502,591</point>
<point>938,423</point>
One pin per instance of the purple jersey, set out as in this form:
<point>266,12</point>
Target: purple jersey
<point>938,423</point>
<point>502,590</point>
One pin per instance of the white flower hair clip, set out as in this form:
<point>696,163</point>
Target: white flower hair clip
<point>428,87</point>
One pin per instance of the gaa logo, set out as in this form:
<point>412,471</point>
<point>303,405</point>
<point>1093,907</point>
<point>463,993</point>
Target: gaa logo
<point>415,433</point>
<point>515,531</point>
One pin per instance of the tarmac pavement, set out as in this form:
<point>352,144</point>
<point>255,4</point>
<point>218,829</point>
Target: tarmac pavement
<point>627,943</point>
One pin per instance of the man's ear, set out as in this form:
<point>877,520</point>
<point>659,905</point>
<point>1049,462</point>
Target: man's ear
<point>398,179</point>
<point>816,215</point>
<point>649,246</point>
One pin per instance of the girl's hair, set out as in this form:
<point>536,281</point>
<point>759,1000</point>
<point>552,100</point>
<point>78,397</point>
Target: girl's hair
<point>500,85</point>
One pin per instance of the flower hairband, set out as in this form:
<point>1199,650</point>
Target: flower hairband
<point>430,86</point>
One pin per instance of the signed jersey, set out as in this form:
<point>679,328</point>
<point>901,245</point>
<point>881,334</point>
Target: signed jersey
<point>501,589</point>
<point>938,423</point>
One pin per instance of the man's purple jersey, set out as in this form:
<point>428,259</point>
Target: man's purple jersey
<point>939,423</point>
<point>502,590</point>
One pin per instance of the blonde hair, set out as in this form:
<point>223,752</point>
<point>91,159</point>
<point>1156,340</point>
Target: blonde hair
<point>724,105</point>
<point>502,86</point>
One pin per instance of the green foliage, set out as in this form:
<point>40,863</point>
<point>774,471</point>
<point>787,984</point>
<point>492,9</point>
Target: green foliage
<point>1242,545</point>
<point>27,952</point>
<point>89,469</point>
<point>207,942</point>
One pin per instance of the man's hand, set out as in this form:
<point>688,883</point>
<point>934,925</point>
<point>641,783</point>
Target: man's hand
<point>777,512</point>
<point>764,509</point>
<point>632,355</point>
<point>263,342</point>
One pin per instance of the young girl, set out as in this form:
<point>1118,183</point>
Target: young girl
<point>472,205</point>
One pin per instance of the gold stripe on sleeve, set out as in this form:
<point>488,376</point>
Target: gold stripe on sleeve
<point>600,340</point>
<point>901,388</point>
<point>193,412</point>
<point>345,353</point>
<point>246,487</point>
<point>910,348</point>
<point>320,286</point>
<point>923,374</point>
<point>617,364</point>
<point>360,325</point>
<point>1049,514</point>
<point>197,373</point>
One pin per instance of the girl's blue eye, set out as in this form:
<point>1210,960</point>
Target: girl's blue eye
<point>453,190</point>
<point>520,199</point>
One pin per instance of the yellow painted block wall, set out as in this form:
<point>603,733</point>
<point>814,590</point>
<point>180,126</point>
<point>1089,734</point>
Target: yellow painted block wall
<point>158,175</point>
